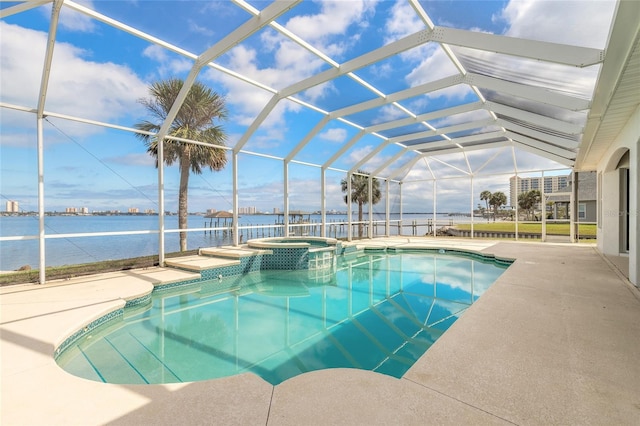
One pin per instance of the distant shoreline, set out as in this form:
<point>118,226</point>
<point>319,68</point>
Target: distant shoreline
<point>200,214</point>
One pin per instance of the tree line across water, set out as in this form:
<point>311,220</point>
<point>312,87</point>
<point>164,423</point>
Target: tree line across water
<point>527,201</point>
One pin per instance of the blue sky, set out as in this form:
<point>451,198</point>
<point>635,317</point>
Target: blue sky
<point>99,73</point>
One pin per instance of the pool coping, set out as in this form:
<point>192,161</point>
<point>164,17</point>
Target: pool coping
<point>35,320</point>
<point>302,241</point>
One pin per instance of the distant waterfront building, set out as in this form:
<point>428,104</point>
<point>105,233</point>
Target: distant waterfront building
<point>84,210</point>
<point>150,211</point>
<point>134,210</point>
<point>71,210</point>
<point>13,206</point>
<point>587,202</point>
<point>519,185</point>
<point>247,210</point>
<point>276,210</point>
<point>211,211</point>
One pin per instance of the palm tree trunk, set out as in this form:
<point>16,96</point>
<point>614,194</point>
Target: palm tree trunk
<point>360,220</point>
<point>182,199</point>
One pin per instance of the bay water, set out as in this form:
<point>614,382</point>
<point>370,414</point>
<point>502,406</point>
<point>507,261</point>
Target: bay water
<point>69,250</point>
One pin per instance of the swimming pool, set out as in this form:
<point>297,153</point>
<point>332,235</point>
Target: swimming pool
<point>378,312</point>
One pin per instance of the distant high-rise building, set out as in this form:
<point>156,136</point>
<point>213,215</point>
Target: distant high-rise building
<point>71,210</point>
<point>247,210</point>
<point>211,211</point>
<point>276,210</point>
<point>134,210</point>
<point>13,206</point>
<point>84,210</point>
<point>519,185</point>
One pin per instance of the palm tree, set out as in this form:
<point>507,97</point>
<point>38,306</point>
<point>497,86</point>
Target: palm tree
<point>195,121</point>
<point>497,200</point>
<point>360,193</point>
<point>486,196</point>
<point>528,200</point>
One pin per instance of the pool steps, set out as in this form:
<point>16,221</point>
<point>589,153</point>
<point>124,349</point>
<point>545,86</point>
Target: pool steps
<point>213,257</point>
<point>232,252</point>
<point>289,254</point>
<point>219,257</point>
<point>199,263</point>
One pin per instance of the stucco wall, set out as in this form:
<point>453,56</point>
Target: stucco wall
<point>609,230</point>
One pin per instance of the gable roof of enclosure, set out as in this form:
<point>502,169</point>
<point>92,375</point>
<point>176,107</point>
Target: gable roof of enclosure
<point>542,97</point>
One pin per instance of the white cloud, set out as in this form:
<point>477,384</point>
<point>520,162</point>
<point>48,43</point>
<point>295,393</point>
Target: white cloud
<point>334,135</point>
<point>169,66</point>
<point>199,29</point>
<point>75,21</point>
<point>430,61</point>
<point>389,113</point>
<point>381,70</point>
<point>433,65</point>
<point>528,161</point>
<point>583,23</point>
<point>290,62</point>
<point>98,91</point>
<point>248,100</point>
<point>18,140</point>
<point>422,103</point>
<point>134,159</point>
<point>358,153</point>
<point>403,21</point>
<point>334,19</point>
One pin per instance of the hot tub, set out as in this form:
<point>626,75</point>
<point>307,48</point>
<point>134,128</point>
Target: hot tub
<point>311,253</point>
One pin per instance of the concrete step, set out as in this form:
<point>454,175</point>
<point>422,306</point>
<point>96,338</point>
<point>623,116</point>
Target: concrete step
<point>199,263</point>
<point>232,252</point>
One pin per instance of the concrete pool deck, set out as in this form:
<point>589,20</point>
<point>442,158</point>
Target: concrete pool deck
<point>556,340</point>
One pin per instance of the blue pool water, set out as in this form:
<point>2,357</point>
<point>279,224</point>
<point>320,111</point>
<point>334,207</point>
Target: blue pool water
<point>375,312</point>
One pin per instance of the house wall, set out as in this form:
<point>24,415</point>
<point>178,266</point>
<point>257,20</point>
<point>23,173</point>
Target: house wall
<point>591,211</point>
<point>609,238</point>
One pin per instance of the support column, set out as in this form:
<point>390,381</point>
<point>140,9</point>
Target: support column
<point>387,216</point>
<point>323,202</point>
<point>634,212</point>
<point>517,188</point>
<point>41,235</point>
<point>435,205</point>
<point>576,188</point>
<point>349,219</point>
<point>42,97</point>
<point>400,196</point>
<point>286,198</point>
<point>370,188</point>
<point>572,206</point>
<point>543,201</point>
<point>471,183</point>
<point>161,203</point>
<point>235,225</point>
